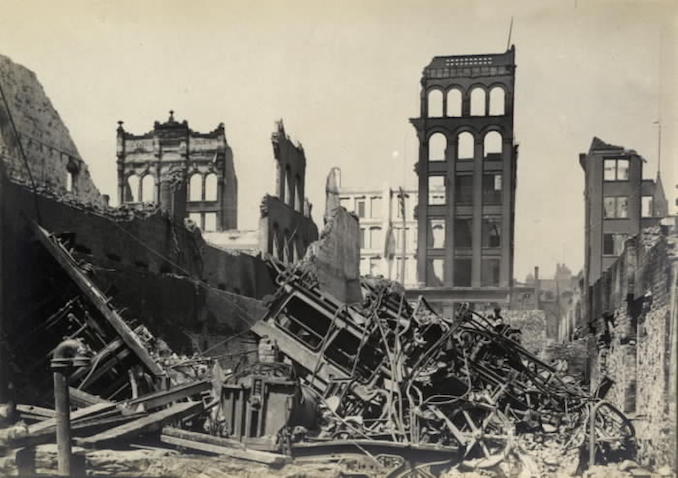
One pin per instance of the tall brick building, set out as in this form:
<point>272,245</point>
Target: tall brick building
<point>186,172</point>
<point>619,203</point>
<point>466,146</point>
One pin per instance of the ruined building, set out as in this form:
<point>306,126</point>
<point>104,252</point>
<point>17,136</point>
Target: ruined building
<point>466,147</point>
<point>619,203</point>
<point>286,227</point>
<point>185,172</point>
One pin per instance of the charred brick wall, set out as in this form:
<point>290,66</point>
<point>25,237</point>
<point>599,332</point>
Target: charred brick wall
<point>532,325</point>
<point>632,313</point>
<point>53,158</point>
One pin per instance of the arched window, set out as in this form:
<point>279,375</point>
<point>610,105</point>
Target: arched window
<point>275,242</point>
<point>211,189</point>
<point>497,101</point>
<point>435,103</point>
<point>289,188</point>
<point>454,102</point>
<point>465,145</point>
<point>133,184</point>
<point>286,247</point>
<point>477,102</point>
<point>148,188</point>
<point>376,241</point>
<point>492,145</point>
<point>195,187</point>
<point>299,201</point>
<point>437,143</point>
<point>436,237</point>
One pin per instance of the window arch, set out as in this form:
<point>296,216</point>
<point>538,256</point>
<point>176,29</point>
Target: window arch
<point>492,145</point>
<point>211,188</point>
<point>437,143</point>
<point>478,101</point>
<point>435,103</point>
<point>195,187</point>
<point>298,200</point>
<point>497,101</point>
<point>454,102</point>
<point>289,188</point>
<point>148,188</point>
<point>465,145</point>
<point>133,185</point>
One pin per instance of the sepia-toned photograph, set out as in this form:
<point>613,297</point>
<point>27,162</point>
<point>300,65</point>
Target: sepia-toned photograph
<point>356,239</point>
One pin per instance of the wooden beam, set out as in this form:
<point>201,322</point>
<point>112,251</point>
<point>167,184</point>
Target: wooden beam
<point>35,410</point>
<point>96,297</point>
<point>144,424</point>
<point>206,443</point>
<point>81,398</point>
<point>164,397</point>
<point>80,413</point>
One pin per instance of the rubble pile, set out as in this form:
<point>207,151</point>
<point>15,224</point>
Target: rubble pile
<point>380,387</point>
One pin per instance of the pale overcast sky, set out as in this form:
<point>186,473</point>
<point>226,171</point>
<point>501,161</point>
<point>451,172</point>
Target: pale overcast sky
<point>345,78</point>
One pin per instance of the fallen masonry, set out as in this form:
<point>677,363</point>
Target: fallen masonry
<point>380,387</point>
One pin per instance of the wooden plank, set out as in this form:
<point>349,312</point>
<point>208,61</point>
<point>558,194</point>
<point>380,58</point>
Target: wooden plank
<point>81,398</point>
<point>165,397</point>
<point>64,258</point>
<point>80,413</point>
<point>202,437</point>
<point>146,423</point>
<point>240,453</point>
<point>35,410</point>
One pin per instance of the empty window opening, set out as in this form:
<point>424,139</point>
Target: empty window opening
<point>463,232</point>
<point>437,143</point>
<point>376,240</point>
<point>375,206</point>
<point>196,217</point>
<point>289,189</point>
<point>363,238</point>
<point>436,190</point>
<point>454,102</point>
<point>210,221</point>
<point>492,145</point>
<point>148,188</point>
<point>491,230</point>
<point>436,237</point>
<point>462,272</point>
<point>463,189</point>
<point>70,180</point>
<point>299,200</point>
<point>489,272</point>
<point>613,244</point>
<point>275,243</point>
<point>360,207</point>
<point>647,206</point>
<point>435,103</point>
<point>465,145</point>
<point>492,186</point>
<point>435,272</point>
<point>133,183</point>
<point>195,187</point>
<point>497,101</point>
<point>364,266</point>
<point>615,207</point>
<point>211,187</point>
<point>477,102</point>
<point>616,169</point>
<point>375,266</point>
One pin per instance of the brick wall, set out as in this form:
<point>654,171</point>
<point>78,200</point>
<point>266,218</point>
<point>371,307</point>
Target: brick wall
<point>532,324</point>
<point>47,144</point>
<point>632,316</point>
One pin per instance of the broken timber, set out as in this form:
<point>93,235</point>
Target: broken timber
<point>64,258</point>
<point>219,446</point>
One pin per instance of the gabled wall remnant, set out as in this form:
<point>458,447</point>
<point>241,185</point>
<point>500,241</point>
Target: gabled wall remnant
<point>52,156</point>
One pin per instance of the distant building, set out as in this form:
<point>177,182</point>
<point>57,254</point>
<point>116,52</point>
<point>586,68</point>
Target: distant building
<point>619,203</point>
<point>384,234</point>
<point>466,147</point>
<point>190,174</point>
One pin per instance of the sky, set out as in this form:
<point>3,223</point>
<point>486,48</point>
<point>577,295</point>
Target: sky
<point>344,76</point>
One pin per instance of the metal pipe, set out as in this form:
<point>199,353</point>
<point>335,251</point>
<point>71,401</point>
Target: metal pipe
<point>64,358</point>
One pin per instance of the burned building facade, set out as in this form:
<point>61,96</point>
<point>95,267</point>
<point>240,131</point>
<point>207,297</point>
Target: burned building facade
<point>466,146</point>
<point>187,173</point>
<point>619,203</point>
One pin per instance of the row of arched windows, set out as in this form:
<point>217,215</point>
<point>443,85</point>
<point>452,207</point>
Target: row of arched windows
<point>203,187</point>
<point>492,145</point>
<point>285,246</point>
<point>200,187</point>
<point>441,104</point>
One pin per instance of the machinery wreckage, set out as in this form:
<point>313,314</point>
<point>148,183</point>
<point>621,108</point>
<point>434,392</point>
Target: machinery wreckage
<point>413,391</point>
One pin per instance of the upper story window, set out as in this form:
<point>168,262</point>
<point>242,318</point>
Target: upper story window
<point>195,187</point>
<point>454,102</point>
<point>492,187</point>
<point>492,145</point>
<point>360,207</point>
<point>616,170</point>
<point>211,187</point>
<point>647,206</point>
<point>478,102</point>
<point>613,244</point>
<point>435,103</point>
<point>148,188</point>
<point>616,207</point>
<point>497,101</point>
<point>436,190</point>
<point>375,206</point>
<point>463,189</point>
<point>437,143</point>
<point>465,145</point>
